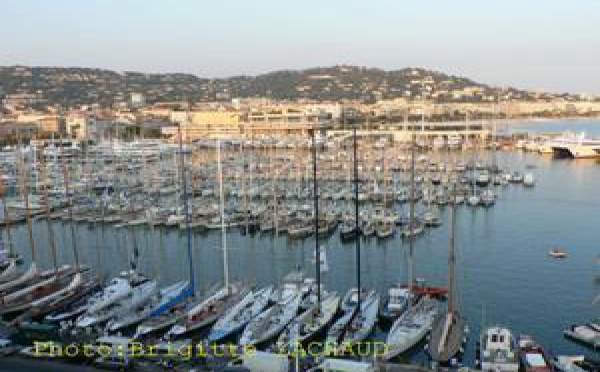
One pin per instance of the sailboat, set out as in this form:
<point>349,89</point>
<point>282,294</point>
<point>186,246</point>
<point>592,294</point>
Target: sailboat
<point>136,298</point>
<point>31,275</point>
<point>473,199</point>
<point>316,290</point>
<point>399,297</point>
<point>320,307</point>
<point>117,289</point>
<point>349,331</point>
<point>236,318</point>
<point>53,287</point>
<point>210,310</point>
<point>162,299</point>
<point>80,286</point>
<point>178,299</point>
<point>72,297</point>
<point>171,306</point>
<point>8,258</point>
<point>412,325</point>
<point>360,308</point>
<point>271,322</point>
<point>447,335</point>
<point>310,324</point>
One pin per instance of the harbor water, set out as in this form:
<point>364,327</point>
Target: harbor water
<point>505,276</point>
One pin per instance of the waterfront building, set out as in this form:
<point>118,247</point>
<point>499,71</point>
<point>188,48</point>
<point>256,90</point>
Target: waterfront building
<point>208,124</point>
<point>286,120</point>
<point>78,125</point>
<point>46,123</point>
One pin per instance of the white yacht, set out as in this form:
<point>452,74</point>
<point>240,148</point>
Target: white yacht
<point>575,146</point>
<point>411,327</point>
<point>137,297</point>
<point>497,351</point>
<point>162,299</point>
<point>118,288</point>
<point>398,298</point>
<point>487,198</point>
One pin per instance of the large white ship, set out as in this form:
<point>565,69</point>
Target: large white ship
<point>574,146</point>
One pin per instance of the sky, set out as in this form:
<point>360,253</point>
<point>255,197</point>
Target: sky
<point>547,45</point>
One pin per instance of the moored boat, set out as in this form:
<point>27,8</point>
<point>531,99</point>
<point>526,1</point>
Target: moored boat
<point>271,322</point>
<point>238,316</point>
<point>497,351</point>
<point>533,357</point>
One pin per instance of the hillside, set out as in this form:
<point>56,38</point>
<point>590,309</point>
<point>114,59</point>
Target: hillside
<point>70,87</point>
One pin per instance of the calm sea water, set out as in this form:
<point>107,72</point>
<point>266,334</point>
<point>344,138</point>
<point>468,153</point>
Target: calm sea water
<point>505,276</point>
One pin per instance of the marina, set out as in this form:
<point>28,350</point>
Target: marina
<point>246,214</point>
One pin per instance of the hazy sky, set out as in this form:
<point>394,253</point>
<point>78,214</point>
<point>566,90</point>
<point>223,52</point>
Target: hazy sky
<point>539,44</point>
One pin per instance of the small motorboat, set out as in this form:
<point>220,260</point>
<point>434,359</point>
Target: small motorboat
<point>557,253</point>
<point>532,357</point>
<point>587,334</point>
<point>577,363</point>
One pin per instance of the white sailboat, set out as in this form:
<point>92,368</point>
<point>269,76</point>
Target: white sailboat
<point>447,335</point>
<point>117,289</point>
<point>208,311</point>
<point>309,324</point>
<point>136,298</point>
<point>360,326</point>
<point>8,258</point>
<point>214,307</point>
<point>271,322</point>
<point>411,327</point>
<point>162,298</point>
<point>176,300</point>
<point>340,329</point>
<point>236,318</point>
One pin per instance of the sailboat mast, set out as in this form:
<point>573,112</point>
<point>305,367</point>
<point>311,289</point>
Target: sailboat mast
<point>356,218</point>
<point>47,212</point>
<point>222,207</point>
<point>411,222</point>
<point>495,137</point>
<point>25,188</point>
<point>188,217</point>
<point>316,199</point>
<point>245,168</point>
<point>452,256</point>
<point>472,159</point>
<point>70,207</point>
<point>11,248</point>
